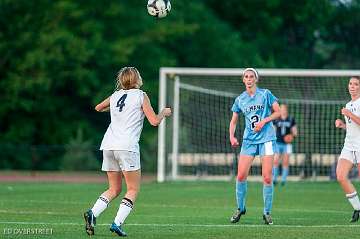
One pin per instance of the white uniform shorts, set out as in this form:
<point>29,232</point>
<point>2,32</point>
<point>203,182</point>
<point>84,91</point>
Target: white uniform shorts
<point>120,160</point>
<point>352,156</point>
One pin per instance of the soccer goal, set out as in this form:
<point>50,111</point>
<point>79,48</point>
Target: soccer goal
<point>194,142</point>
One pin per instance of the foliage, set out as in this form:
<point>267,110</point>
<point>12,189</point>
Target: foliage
<point>79,154</point>
<point>59,58</point>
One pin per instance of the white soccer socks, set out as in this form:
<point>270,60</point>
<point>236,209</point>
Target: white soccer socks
<point>354,200</point>
<point>124,210</point>
<point>100,205</point>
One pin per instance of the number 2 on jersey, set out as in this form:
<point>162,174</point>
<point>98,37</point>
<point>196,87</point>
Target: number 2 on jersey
<point>121,102</point>
<point>254,120</point>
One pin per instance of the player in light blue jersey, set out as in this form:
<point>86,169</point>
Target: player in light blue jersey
<point>260,108</point>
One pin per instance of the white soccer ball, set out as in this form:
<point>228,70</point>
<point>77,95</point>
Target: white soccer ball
<point>158,8</point>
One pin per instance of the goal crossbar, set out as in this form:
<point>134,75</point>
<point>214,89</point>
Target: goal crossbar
<point>174,74</point>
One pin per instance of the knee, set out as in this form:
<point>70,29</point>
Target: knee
<point>134,190</point>
<point>267,179</point>
<point>241,177</point>
<point>115,191</point>
<point>341,177</point>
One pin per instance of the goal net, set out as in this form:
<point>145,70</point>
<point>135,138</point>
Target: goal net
<point>194,142</point>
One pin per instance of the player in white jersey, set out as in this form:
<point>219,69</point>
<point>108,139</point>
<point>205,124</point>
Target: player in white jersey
<point>350,153</point>
<point>128,106</point>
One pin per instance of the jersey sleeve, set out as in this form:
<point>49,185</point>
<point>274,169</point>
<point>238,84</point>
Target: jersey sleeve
<point>235,107</point>
<point>141,97</point>
<point>357,113</point>
<point>275,121</point>
<point>293,123</point>
<point>111,97</point>
<point>271,98</point>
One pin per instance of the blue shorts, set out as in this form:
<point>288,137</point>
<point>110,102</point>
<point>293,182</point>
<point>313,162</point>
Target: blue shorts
<point>267,148</point>
<point>283,148</point>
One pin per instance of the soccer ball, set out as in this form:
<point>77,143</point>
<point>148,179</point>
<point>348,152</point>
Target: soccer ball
<point>158,8</point>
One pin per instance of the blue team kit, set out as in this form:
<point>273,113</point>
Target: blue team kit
<point>255,108</point>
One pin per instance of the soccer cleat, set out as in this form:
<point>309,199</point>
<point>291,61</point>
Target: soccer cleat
<point>267,219</point>
<point>90,222</point>
<point>355,216</point>
<point>236,217</point>
<point>117,230</point>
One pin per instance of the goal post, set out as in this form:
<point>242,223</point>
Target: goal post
<point>193,143</point>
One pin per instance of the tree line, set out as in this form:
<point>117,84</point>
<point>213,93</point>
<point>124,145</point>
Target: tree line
<point>60,58</point>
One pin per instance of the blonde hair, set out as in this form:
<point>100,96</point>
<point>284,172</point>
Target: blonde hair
<point>128,78</point>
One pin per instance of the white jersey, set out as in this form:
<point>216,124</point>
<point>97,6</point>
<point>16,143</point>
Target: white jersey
<point>127,118</point>
<point>352,139</point>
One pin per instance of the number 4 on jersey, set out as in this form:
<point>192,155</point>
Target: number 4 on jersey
<point>121,102</point>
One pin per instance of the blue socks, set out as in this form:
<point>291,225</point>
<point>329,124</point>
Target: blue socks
<point>268,198</point>
<point>275,173</point>
<point>241,189</point>
<point>285,172</point>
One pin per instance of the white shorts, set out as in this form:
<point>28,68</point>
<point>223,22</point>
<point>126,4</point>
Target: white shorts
<point>352,156</point>
<point>120,160</point>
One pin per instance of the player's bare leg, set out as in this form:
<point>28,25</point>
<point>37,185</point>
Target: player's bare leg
<point>342,171</point>
<point>114,180</point>
<point>275,170</point>
<point>115,183</point>
<point>132,179</point>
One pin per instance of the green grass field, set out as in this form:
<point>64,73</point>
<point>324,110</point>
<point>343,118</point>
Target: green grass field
<point>179,210</point>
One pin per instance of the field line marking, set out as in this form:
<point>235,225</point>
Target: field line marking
<point>197,207</point>
<point>183,225</point>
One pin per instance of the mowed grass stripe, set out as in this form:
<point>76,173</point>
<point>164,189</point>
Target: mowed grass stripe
<point>311,210</point>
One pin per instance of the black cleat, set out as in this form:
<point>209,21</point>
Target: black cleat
<point>90,222</point>
<point>236,217</point>
<point>355,216</point>
<point>267,219</point>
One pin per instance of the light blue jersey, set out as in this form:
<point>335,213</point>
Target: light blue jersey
<point>255,108</point>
